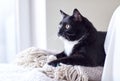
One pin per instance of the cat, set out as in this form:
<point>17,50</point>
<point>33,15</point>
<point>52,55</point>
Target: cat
<point>83,44</point>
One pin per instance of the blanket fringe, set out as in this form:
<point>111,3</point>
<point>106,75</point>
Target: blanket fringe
<point>37,58</point>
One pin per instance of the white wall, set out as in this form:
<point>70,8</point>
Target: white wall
<point>97,11</point>
<point>38,23</point>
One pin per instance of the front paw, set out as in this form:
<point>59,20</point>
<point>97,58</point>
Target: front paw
<point>54,63</point>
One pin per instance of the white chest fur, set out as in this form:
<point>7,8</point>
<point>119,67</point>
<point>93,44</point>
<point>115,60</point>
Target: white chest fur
<point>68,46</point>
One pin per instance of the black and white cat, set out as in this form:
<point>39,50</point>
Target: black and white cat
<point>83,44</point>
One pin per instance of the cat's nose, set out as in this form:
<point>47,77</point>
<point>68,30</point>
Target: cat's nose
<point>58,35</point>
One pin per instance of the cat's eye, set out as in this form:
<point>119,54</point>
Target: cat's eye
<point>67,26</point>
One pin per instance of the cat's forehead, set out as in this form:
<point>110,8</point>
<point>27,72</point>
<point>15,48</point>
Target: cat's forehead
<point>67,19</point>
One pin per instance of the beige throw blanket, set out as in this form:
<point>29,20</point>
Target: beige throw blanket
<point>37,58</point>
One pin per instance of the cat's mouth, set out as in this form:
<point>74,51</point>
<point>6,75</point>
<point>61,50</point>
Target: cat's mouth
<point>70,34</point>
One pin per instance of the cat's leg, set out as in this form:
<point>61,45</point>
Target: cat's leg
<point>72,60</point>
<point>60,55</point>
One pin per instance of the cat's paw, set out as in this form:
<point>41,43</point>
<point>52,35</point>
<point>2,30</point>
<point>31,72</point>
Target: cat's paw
<point>54,63</point>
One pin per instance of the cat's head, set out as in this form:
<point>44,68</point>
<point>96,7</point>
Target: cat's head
<point>74,27</point>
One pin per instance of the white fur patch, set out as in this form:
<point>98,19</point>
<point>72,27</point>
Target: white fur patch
<point>68,45</point>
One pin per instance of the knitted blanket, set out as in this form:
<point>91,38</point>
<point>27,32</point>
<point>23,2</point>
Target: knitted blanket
<point>37,58</point>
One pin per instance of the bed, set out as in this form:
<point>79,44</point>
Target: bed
<point>31,65</point>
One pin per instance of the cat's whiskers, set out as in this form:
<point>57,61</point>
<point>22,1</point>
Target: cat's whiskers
<point>67,37</point>
<point>82,38</point>
<point>70,34</point>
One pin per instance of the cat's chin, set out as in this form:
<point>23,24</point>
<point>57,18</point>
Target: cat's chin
<point>62,38</point>
<point>66,40</point>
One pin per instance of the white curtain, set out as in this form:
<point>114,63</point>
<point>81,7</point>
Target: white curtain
<point>7,30</point>
<point>14,27</point>
<point>22,25</point>
<point>111,70</point>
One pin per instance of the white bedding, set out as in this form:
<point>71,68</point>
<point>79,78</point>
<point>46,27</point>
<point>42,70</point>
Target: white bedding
<point>112,48</point>
<point>31,65</point>
<point>10,72</point>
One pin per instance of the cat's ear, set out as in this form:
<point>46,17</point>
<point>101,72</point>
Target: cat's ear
<point>77,16</point>
<point>63,14</point>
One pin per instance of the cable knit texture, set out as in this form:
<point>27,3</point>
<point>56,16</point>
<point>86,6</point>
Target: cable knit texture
<point>37,58</point>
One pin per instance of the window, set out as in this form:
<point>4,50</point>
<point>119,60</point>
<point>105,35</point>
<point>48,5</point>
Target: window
<point>7,29</point>
<point>22,25</point>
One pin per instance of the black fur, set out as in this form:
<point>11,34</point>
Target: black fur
<point>89,51</point>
